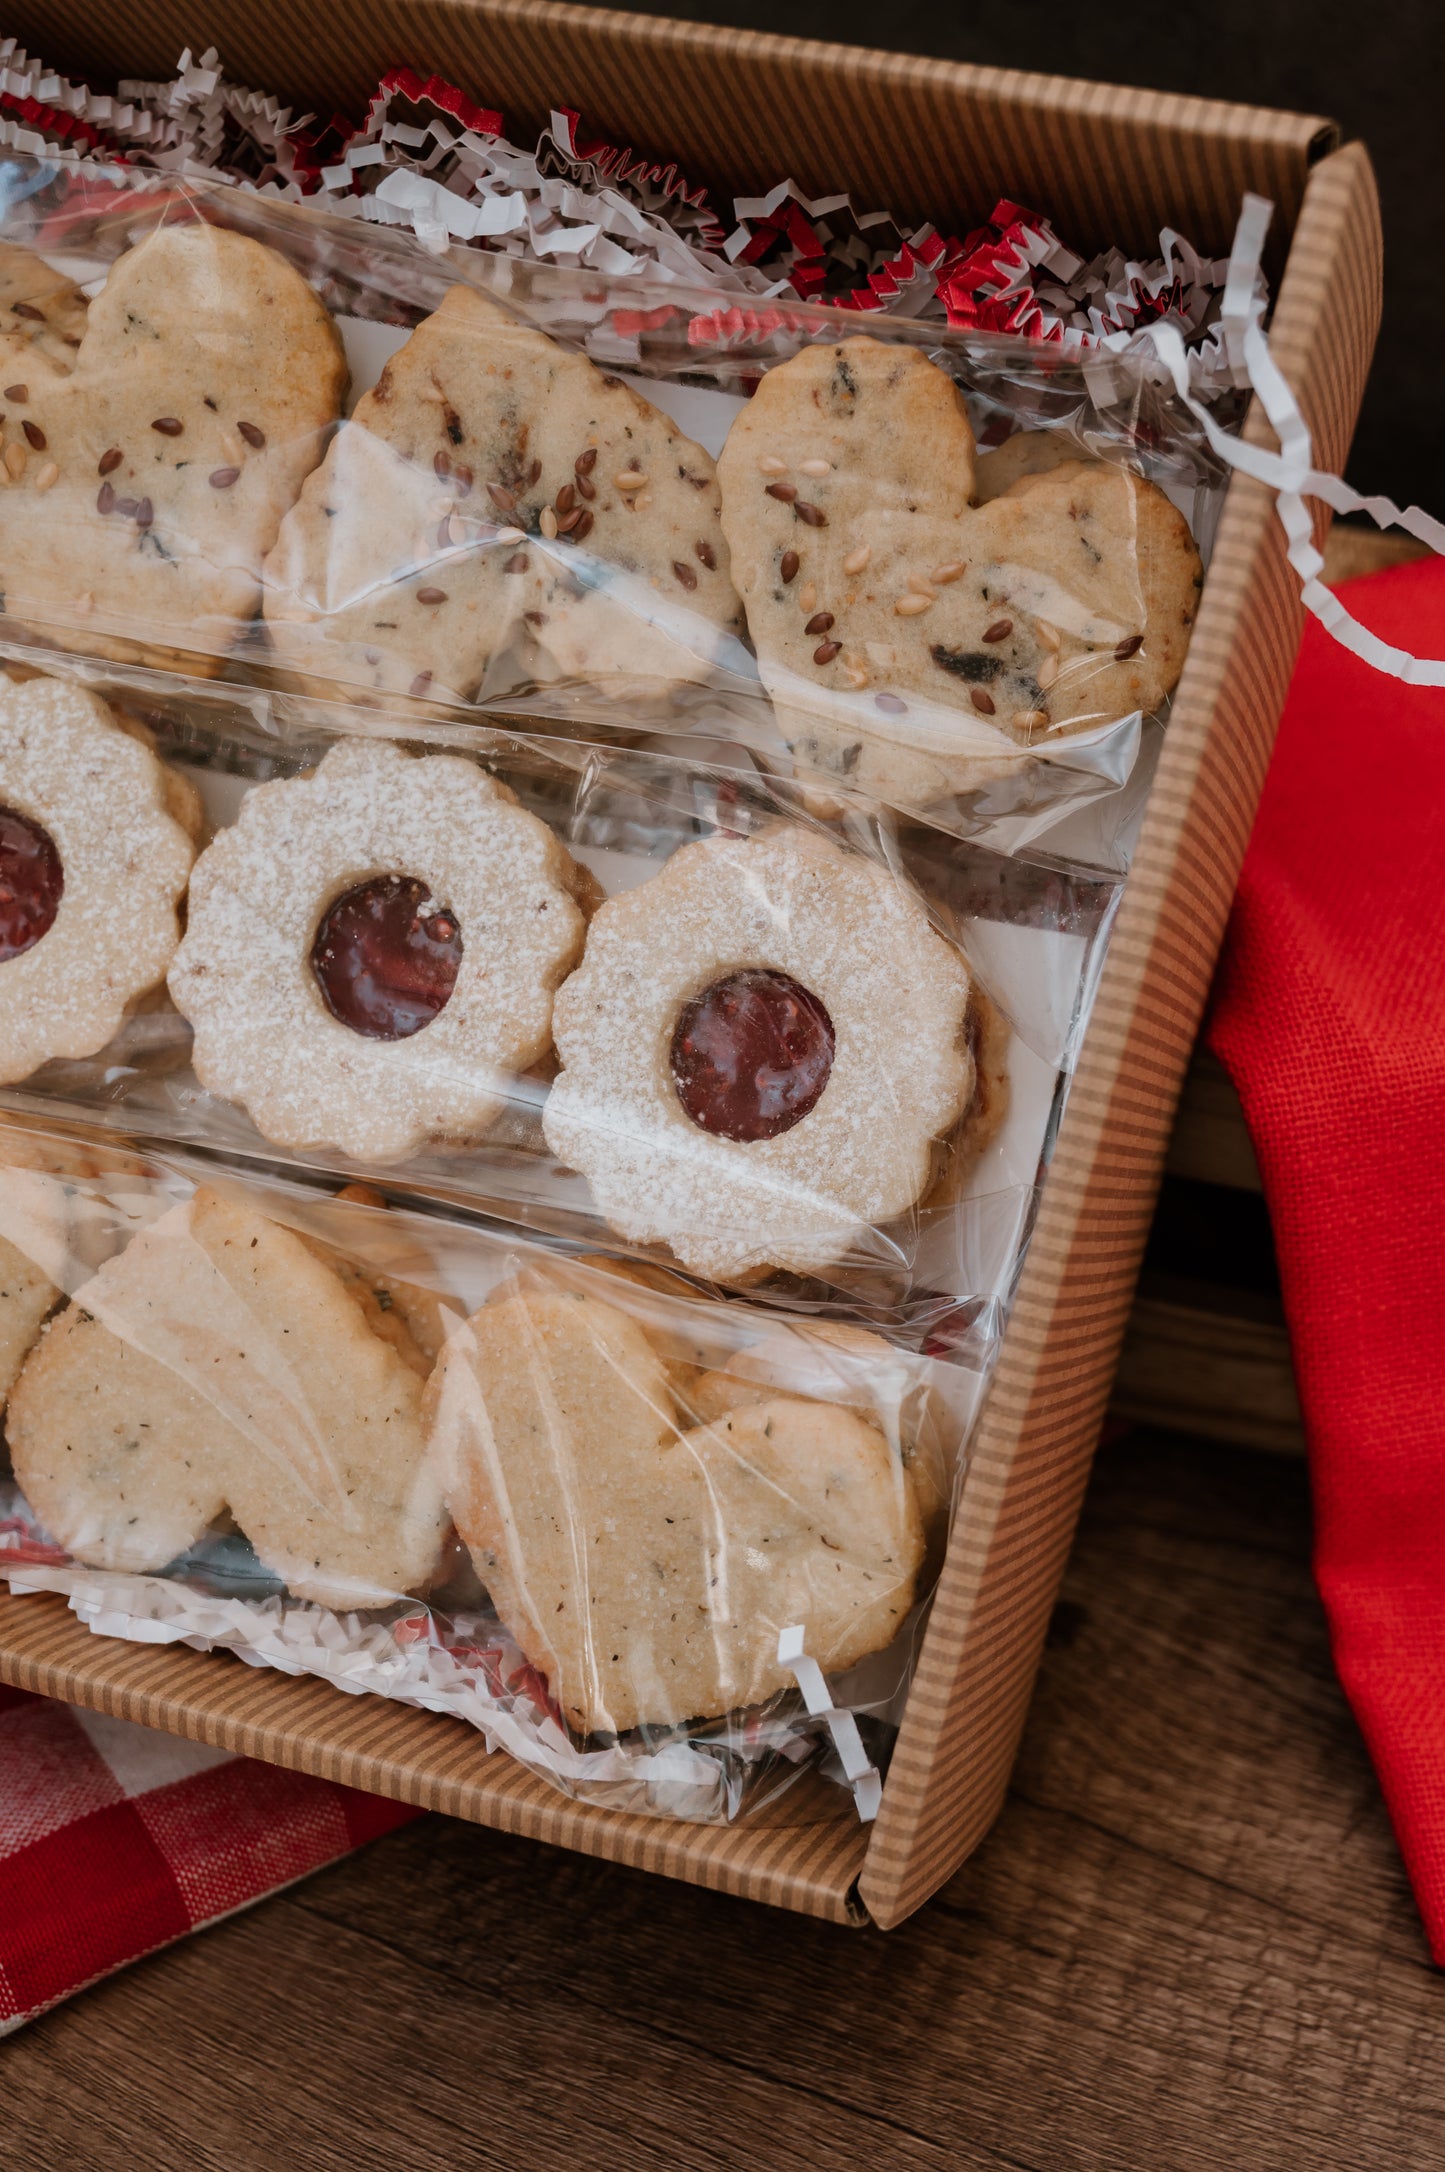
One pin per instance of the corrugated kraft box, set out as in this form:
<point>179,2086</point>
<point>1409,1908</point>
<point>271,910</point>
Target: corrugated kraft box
<point>939,141</point>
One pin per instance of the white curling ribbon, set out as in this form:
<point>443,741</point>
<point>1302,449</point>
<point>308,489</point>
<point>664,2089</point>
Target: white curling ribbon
<point>861,1774</point>
<point>1289,472</point>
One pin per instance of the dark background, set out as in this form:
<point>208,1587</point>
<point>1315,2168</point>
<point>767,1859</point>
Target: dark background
<point>1379,70</point>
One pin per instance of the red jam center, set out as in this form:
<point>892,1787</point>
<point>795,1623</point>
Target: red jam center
<point>751,1055</point>
<point>31,882</point>
<point>386,957</point>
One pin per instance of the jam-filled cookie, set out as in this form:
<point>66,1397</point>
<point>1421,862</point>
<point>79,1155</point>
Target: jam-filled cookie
<point>915,644</point>
<point>758,1051</point>
<point>534,505</point>
<point>644,1563</point>
<point>217,1363</point>
<point>371,952</point>
<point>92,867</point>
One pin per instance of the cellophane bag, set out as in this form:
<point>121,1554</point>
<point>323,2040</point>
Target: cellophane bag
<point>948,571</point>
<point>644,783</point>
<point>609,995</point>
<point>667,1552</point>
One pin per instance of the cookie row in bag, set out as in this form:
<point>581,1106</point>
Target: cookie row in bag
<point>499,513</point>
<point>759,1048</point>
<point>644,1525</point>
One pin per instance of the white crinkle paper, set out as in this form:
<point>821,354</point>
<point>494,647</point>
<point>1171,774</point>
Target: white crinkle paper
<point>463,1664</point>
<point>428,160</point>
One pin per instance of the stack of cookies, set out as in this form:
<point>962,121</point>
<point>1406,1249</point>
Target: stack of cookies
<point>498,517</point>
<point>645,1523</point>
<point>760,1050</point>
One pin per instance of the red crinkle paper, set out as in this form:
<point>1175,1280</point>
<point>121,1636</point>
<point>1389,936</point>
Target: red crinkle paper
<point>1012,275</point>
<point>626,169</point>
<point>405,83</point>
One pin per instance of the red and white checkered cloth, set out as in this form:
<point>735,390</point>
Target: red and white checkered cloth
<point>115,1840</point>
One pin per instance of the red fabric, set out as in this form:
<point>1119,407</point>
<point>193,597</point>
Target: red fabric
<point>115,1840</point>
<point>1330,1015</point>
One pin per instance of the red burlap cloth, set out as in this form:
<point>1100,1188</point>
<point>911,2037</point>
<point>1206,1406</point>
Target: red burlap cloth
<point>1330,1015</point>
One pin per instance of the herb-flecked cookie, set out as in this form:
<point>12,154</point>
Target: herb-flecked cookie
<point>401,1311</point>
<point>828,1361</point>
<point>1027,452</point>
<point>41,312</point>
<point>144,486</point>
<point>50,1226</point>
<point>758,1051</point>
<point>92,870</point>
<point>33,1256</point>
<point>646,1566</point>
<point>27,1299</point>
<point>371,952</point>
<point>915,644</point>
<point>217,1363</point>
<point>496,492</point>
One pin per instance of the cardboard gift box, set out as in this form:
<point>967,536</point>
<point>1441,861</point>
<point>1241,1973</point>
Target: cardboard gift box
<point>940,141</point>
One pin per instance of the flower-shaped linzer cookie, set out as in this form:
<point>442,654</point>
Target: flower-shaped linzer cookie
<point>371,952</point>
<point>758,1050</point>
<point>91,870</point>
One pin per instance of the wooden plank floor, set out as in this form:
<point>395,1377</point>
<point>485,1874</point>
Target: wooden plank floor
<point>1187,1946</point>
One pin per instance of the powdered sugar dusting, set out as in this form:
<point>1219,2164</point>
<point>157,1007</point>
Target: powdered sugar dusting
<point>897,994</point>
<point>67,765</point>
<point>243,976</point>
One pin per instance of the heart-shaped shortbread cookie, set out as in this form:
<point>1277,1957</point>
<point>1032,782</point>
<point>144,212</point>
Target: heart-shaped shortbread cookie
<point>1027,452</point>
<point>644,1569</point>
<point>914,643</point>
<point>144,487</point>
<point>217,1363</point>
<point>496,492</point>
<point>37,1223</point>
<point>41,311</point>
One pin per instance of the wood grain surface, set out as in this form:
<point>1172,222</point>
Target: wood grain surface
<point>1187,1946</point>
<point>1215,1359</point>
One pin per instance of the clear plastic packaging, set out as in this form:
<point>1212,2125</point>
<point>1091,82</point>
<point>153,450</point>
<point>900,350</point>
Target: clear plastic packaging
<point>599,993</point>
<point>646,785</point>
<point>609,505</point>
<point>613,1523</point>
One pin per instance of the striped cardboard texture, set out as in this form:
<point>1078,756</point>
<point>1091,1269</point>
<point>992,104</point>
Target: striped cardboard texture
<point>931,139</point>
<point>937,140</point>
<point>804,1854</point>
<point>1031,1457</point>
